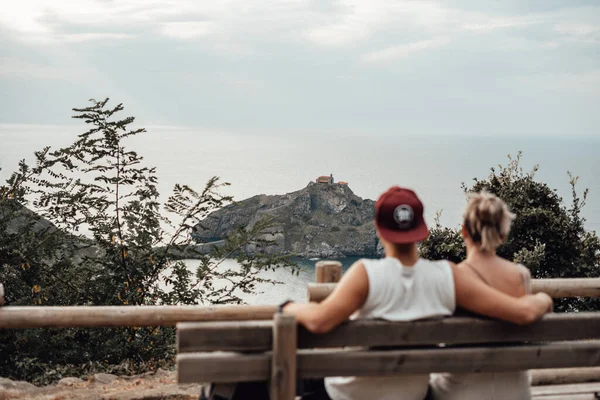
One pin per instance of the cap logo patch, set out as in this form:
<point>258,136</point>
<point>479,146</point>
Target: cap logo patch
<point>404,214</point>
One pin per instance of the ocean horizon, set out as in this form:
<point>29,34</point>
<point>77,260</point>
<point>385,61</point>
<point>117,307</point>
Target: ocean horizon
<point>434,166</point>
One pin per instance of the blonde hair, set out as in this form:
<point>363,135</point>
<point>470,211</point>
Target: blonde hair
<point>487,220</point>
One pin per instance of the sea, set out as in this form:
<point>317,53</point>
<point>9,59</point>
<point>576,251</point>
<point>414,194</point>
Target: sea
<point>282,162</point>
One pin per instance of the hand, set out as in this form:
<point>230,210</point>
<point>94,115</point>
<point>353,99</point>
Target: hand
<point>547,300</point>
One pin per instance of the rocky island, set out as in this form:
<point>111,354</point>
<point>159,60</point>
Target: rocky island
<point>324,219</point>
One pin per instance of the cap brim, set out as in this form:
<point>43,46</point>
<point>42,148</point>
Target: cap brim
<point>417,234</point>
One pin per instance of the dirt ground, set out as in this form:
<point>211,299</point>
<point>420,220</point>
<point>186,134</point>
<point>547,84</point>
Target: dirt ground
<point>160,385</point>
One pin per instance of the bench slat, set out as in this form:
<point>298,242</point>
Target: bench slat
<point>257,335</point>
<point>579,396</point>
<point>234,367</point>
<point>207,336</point>
<point>564,376</point>
<point>222,367</point>
<point>566,389</point>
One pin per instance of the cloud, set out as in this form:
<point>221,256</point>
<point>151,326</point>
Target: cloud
<point>357,21</point>
<point>493,24</point>
<point>13,68</point>
<point>89,37</point>
<point>39,20</point>
<point>582,33</point>
<point>577,29</point>
<point>339,34</point>
<point>188,29</point>
<point>570,83</point>
<point>270,63</point>
<point>403,50</point>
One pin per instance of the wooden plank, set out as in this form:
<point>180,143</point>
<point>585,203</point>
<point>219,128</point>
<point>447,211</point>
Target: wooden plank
<point>581,396</point>
<point>251,335</point>
<point>230,336</point>
<point>471,359</point>
<point>564,375</point>
<point>223,367</point>
<point>283,362</point>
<point>233,367</point>
<point>116,316</point>
<point>328,271</point>
<point>317,292</point>
<point>571,287</point>
<point>566,389</point>
<point>568,287</point>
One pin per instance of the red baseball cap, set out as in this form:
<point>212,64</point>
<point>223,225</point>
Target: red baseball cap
<point>399,216</point>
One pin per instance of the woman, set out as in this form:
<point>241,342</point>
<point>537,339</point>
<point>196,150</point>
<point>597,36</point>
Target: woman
<point>486,226</point>
<point>404,287</point>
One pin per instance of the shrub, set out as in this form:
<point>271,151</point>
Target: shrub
<point>100,237</point>
<point>547,236</point>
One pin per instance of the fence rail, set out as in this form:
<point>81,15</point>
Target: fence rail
<point>120,316</point>
<point>567,287</point>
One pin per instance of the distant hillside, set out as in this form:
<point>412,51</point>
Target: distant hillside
<point>18,216</point>
<point>17,219</point>
<point>321,220</point>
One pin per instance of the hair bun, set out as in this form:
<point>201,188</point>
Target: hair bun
<point>487,219</point>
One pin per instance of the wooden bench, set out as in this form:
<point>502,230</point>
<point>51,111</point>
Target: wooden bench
<point>280,352</point>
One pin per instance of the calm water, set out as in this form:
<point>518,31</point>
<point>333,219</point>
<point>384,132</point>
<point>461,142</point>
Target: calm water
<point>253,163</point>
<point>293,286</point>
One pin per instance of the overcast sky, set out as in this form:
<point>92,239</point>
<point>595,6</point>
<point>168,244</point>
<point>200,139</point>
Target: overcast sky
<point>387,66</point>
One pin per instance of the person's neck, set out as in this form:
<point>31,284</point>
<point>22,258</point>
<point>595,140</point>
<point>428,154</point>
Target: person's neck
<point>407,258</point>
<point>475,254</point>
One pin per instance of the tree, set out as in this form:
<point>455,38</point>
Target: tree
<point>100,237</point>
<point>547,236</point>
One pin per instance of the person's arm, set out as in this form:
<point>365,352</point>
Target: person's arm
<point>474,295</point>
<point>349,295</point>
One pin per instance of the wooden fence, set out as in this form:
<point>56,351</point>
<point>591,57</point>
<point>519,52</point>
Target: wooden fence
<point>552,327</point>
<point>330,272</point>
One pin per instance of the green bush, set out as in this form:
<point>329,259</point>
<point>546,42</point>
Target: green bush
<point>100,237</point>
<point>547,236</point>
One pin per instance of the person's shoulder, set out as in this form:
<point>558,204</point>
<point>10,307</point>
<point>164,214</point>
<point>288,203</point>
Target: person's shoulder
<point>517,269</point>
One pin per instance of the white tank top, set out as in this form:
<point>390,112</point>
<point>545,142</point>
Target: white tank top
<point>398,293</point>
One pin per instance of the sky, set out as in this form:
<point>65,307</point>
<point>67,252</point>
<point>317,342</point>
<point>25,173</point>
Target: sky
<point>393,67</point>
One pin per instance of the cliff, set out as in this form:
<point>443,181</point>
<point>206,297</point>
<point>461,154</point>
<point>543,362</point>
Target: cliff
<point>321,220</point>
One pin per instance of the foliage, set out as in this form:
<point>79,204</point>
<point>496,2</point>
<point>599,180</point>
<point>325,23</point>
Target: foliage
<point>547,236</point>
<point>100,237</point>
<point>443,244</point>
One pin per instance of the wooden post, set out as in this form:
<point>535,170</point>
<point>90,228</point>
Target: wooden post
<point>1,295</point>
<point>328,271</point>
<point>283,364</point>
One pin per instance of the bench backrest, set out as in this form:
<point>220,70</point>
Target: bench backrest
<point>243,351</point>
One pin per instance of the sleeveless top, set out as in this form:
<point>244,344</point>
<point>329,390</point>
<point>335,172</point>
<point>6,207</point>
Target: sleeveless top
<point>398,293</point>
<point>515,385</point>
